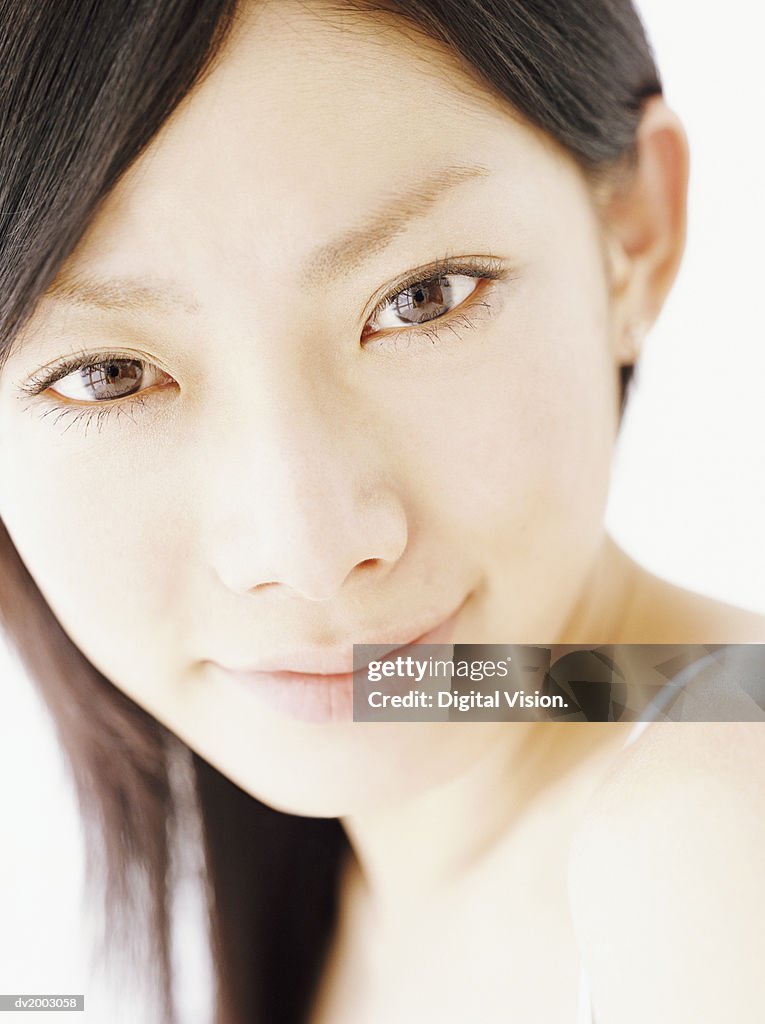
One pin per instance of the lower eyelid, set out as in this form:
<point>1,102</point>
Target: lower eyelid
<point>95,403</point>
<point>74,414</point>
<point>81,414</point>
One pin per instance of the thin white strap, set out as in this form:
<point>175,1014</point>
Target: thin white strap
<point>654,711</point>
<point>584,1006</point>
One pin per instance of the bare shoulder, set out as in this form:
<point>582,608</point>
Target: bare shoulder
<point>663,612</point>
<point>666,880</point>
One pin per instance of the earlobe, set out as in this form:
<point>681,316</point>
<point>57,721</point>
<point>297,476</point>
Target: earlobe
<point>632,344</point>
<point>645,218</point>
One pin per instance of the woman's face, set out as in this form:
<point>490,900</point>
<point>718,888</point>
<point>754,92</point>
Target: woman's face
<point>296,464</point>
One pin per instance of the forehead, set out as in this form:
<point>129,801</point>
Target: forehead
<point>309,118</point>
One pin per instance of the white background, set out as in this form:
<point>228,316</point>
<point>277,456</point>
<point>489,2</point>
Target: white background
<point>688,497</point>
<point>689,490</point>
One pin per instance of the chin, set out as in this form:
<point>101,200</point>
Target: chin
<point>311,800</point>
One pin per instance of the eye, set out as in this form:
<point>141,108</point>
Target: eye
<point>421,302</point>
<point>97,379</point>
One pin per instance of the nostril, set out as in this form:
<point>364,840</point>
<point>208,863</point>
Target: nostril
<point>369,563</point>
<point>267,585</point>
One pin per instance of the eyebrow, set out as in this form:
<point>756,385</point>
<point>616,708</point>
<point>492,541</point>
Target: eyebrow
<point>400,207</point>
<point>118,293</point>
<point>326,263</point>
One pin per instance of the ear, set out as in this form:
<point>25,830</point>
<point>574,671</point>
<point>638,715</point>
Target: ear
<point>645,221</point>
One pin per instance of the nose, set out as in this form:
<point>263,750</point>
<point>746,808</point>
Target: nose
<point>302,500</point>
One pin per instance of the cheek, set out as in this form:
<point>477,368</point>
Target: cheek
<point>93,533</point>
<point>524,427</point>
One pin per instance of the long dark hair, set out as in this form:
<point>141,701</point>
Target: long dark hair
<point>84,87</point>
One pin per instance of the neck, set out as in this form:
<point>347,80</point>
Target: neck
<point>532,779</point>
<point>606,600</point>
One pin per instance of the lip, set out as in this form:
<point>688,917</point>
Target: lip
<point>319,694</point>
<point>339,660</point>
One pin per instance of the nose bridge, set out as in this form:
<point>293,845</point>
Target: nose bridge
<point>303,493</point>
<point>302,460</point>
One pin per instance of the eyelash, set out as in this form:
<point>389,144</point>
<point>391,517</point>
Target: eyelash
<point>478,267</point>
<point>85,415</point>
